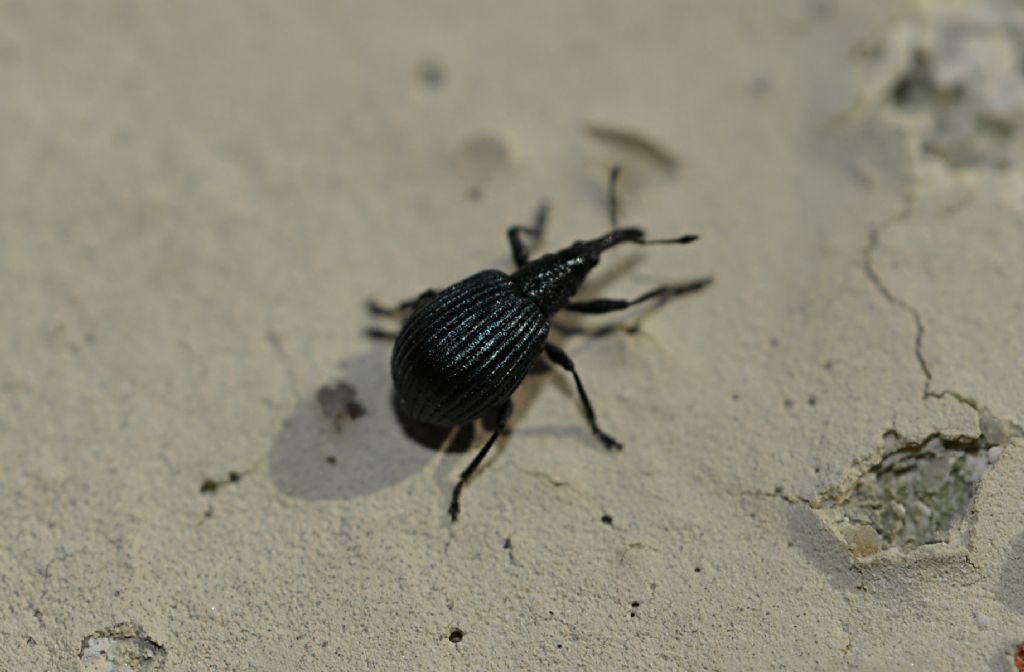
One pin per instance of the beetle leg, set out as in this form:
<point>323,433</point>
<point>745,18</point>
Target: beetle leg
<point>597,306</point>
<point>559,357</point>
<point>405,306</point>
<point>520,251</point>
<point>595,332</point>
<point>504,412</point>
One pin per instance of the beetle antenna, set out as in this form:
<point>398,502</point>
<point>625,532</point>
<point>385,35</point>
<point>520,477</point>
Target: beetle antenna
<point>613,196</point>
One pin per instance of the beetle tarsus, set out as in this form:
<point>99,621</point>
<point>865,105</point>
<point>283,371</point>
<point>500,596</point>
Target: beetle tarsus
<point>609,441</point>
<point>454,508</point>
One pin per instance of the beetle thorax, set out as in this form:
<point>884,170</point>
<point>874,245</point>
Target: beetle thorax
<point>552,280</point>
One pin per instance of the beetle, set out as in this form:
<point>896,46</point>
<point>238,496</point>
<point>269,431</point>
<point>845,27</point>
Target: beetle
<point>463,351</point>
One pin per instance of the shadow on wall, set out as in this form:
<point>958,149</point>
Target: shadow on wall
<point>1010,590</point>
<point>348,439</point>
<point>326,450</point>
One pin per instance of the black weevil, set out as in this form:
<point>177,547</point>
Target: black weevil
<point>464,350</point>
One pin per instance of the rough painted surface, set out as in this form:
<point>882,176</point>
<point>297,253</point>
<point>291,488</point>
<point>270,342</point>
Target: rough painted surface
<point>197,198</point>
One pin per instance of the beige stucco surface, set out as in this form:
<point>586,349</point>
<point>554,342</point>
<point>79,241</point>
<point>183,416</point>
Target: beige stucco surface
<point>196,200</point>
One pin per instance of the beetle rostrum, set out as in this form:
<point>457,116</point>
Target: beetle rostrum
<point>463,351</point>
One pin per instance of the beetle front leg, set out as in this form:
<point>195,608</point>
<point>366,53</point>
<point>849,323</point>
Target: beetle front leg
<point>504,413</point>
<point>520,251</point>
<point>559,357</point>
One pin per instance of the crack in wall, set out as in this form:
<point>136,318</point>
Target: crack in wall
<point>921,460</point>
<point>778,493</point>
<point>955,85</point>
<point>874,241</point>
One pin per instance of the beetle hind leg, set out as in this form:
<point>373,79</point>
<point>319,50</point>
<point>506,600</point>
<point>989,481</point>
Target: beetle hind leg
<point>504,413</point>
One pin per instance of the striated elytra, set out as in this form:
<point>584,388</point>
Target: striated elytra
<point>463,351</point>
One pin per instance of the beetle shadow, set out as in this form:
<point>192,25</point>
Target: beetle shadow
<point>325,452</point>
<point>320,453</point>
